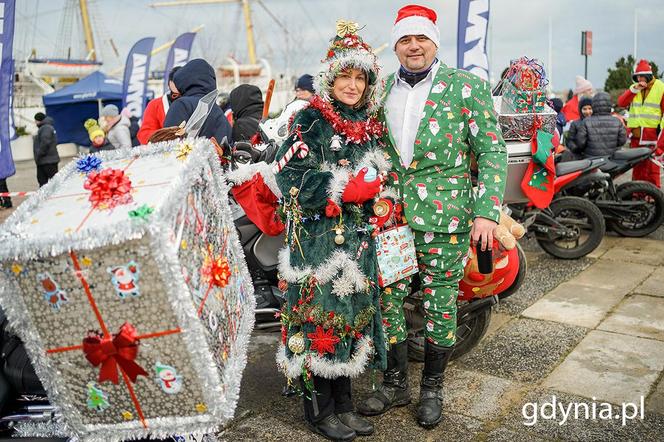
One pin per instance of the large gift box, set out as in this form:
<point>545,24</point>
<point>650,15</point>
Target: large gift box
<point>125,279</point>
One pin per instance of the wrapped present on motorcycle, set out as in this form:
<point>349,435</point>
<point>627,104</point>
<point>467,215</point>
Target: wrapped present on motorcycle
<point>125,279</point>
<point>522,105</point>
<point>524,86</point>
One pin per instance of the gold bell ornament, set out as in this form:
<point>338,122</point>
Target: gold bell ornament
<point>339,238</point>
<point>296,343</point>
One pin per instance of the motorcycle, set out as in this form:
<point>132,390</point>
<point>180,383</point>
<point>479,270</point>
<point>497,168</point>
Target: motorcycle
<point>570,227</point>
<point>632,209</point>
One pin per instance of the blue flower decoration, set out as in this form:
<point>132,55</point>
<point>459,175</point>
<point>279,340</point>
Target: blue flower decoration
<point>88,163</point>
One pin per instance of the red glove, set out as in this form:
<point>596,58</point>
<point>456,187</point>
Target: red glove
<point>358,191</point>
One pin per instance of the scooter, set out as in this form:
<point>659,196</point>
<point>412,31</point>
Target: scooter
<point>632,209</point>
<point>570,227</point>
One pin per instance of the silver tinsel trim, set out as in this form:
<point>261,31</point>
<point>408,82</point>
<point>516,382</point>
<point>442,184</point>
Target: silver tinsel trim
<point>325,367</point>
<point>221,390</point>
<point>340,263</point>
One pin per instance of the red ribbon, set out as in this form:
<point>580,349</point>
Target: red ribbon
<point>109,352</point>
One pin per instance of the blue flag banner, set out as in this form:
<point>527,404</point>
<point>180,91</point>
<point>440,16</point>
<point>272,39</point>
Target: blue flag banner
<point>471,37</point>
<point>7,9</point>
<point>135,83</point>
<point>178,55</point>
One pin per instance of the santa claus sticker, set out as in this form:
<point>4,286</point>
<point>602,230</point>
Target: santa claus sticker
<point>125,279</point>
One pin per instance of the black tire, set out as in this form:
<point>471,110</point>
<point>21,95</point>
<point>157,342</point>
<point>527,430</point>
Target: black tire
<point>520,276</point>
<point>468,335</point>
<point>582,216</point>
<point>649,219</point>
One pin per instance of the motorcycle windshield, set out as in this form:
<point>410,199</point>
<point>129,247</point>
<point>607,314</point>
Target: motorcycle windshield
<point>200,114</point>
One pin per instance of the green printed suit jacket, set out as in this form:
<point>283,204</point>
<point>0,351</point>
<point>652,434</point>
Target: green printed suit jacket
<point>458,119</point>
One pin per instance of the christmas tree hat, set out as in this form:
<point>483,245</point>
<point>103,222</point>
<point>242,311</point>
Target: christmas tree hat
<point>347,51</point>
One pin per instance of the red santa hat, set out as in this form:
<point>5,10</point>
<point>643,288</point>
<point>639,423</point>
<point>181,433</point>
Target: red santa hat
<point>416,20</point>
<point>642,68</point>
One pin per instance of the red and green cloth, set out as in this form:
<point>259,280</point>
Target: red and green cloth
<point>538,181</point>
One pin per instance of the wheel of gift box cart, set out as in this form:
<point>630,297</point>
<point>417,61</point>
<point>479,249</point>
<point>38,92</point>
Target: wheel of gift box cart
<point>126,282</point>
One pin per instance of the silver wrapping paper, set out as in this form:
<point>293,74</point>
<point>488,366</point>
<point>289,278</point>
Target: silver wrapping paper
<point>518,127</point>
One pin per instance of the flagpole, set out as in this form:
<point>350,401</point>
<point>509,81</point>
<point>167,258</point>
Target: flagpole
<point>636,31</point>
<point>550,61</point>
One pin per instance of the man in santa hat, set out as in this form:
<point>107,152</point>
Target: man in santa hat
<point>645,99</point>
<point>432,160</point>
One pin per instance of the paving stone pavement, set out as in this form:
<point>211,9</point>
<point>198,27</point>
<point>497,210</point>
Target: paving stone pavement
<point>575,330</point>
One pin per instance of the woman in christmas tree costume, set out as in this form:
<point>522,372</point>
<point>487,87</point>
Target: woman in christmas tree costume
<point>331,171</point>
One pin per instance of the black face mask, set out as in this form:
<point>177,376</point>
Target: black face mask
<point>170,98</point>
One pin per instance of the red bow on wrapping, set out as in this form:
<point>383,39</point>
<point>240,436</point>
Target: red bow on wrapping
<point>109,352</point>
<point>108,188</point>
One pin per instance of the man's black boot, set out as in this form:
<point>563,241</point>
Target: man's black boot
<point>393,392</point>
<point>332,428</point>
<point>430,408</point>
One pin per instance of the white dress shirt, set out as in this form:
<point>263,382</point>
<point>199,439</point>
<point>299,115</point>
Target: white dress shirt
<point>403,111</point>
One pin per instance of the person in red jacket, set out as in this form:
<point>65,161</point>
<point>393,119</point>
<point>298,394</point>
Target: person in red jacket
<point>645,100</point>
<point>155,111</point>
<point>583,89</point>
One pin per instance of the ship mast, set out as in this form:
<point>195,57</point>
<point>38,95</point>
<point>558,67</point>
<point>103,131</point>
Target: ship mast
<point>246,10</point>
<point>87,30</point>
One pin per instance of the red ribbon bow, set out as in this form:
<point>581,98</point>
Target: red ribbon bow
<point>108,352</point>
<point>110,187</point>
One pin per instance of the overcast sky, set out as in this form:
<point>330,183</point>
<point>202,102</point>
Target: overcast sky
<point>517,27</point>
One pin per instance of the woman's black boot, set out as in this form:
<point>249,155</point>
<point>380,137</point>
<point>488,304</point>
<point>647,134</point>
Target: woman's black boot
<point>393,392</point>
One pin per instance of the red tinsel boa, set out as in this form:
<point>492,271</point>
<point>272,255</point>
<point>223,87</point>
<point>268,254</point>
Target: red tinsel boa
<point>108,188</point>
<point>355,131</point>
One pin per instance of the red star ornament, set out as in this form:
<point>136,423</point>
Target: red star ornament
<point>323,341</point>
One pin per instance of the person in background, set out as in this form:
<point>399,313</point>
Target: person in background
<point>5,201</point>
<point>45,148</point>
<point>194,80</point>
<point>585,110</point>
<point>97,136</point>
<point>304,88</point>
<point>645,100</point>
<point>116,126</point>
<point>583,88</point>
<point>557,105</point>
<point>246,102</point>
<point>600,134</point>
<point>155,112</point>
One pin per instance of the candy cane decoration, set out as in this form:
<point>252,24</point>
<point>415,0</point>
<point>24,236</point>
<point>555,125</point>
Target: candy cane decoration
<point>302,151</point>
<point>13,194</point>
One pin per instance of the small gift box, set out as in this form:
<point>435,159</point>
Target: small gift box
<point>395,249</point>
<point>522,101</point>
<point>125,279</point>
